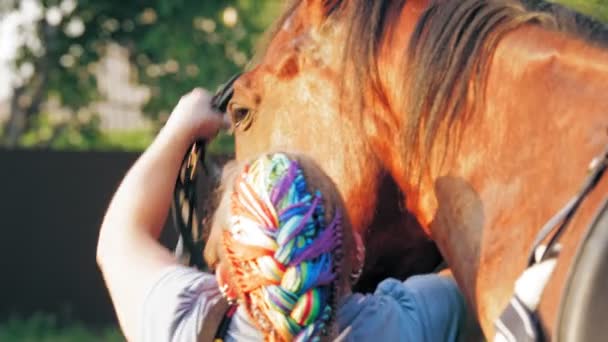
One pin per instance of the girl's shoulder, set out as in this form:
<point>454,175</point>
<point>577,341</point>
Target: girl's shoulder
<point>180,304</point>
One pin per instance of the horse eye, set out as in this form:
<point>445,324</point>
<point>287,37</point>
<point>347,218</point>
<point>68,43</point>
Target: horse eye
<point>241,116</point>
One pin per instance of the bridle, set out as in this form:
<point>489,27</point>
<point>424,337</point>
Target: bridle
<point>186,220</point>
<point>558,223</point>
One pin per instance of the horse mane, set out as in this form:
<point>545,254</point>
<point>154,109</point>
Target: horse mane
<point>452,45</point>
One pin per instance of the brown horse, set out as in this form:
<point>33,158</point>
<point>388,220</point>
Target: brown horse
<point>479,117</point>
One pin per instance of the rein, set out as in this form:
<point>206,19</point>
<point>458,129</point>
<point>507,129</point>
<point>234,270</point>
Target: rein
<point>519,321</point>
<point>597,168</point>
<point>190,245</point>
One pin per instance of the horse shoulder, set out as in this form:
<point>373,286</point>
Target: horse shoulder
<point>546,100</point>
<point>550,70</point>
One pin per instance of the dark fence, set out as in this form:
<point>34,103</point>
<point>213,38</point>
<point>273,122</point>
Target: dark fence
<point>51,206</point>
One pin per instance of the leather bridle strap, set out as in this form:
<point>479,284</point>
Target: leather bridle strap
<point>186,220</point>
<point>561,220</point>
<point>184,206</point>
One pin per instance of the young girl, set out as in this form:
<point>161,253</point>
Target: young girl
<point>283,251</point>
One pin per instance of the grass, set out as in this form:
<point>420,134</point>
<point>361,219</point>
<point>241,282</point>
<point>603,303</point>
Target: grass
<point>46,328</point>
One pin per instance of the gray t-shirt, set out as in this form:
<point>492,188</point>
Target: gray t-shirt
<point>422,308</point>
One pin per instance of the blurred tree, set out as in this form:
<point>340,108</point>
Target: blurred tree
<point>173,45</point>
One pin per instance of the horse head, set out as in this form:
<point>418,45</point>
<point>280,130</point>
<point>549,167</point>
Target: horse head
<point>297,100</point>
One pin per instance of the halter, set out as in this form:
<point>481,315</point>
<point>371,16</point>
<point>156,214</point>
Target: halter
<point>519,321</point>
<point>190,244</point>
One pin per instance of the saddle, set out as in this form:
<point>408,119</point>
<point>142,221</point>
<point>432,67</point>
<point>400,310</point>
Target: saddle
<point>585,300</point>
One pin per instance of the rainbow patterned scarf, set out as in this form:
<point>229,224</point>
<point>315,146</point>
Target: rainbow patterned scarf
<point>283,254</point>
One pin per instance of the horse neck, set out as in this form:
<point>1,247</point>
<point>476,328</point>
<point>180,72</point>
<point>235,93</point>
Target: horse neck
<point>519,158</point>
<point>383,128</point>
<point>545,114</point>
<point>545,94</point>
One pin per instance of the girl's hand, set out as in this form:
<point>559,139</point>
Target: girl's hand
<point>194,117</point>
<point>128,251</point>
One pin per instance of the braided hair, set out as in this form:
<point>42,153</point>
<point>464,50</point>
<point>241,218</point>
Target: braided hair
<point>285,257</point>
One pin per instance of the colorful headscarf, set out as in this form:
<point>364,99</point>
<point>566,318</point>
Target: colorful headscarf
<point>284,255</point>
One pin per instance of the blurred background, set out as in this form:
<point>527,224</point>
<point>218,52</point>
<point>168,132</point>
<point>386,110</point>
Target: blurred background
<point>104,74</point>
<point>84,87</point>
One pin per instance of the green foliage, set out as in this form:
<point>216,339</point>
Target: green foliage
<point>46,328</point>
<point>82,134</point>
<point>173,46</point>
<point>594,8</point>
<point>191,43</point>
